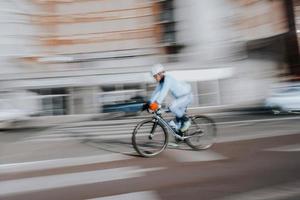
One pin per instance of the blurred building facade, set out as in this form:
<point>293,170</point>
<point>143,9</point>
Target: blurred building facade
<point>77,54</point>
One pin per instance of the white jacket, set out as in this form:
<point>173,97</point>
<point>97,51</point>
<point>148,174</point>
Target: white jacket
<point>177,88</point>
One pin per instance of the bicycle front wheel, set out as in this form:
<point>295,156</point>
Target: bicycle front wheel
<point>149,138</point>
<point>202,133</point>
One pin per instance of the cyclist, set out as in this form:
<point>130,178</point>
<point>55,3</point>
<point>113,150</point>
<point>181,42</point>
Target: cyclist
<point>180,90</point>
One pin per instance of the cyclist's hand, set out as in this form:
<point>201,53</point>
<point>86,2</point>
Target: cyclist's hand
<point>154,106</point>
<point>146,106</point>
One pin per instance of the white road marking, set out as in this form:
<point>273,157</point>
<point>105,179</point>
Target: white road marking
<point>95,129</point>
<point>143,170</point>
<point>219,139</point>
<point>252,136</point>
<point>113,122</point>
<point>64,162</point>
<point>79,135</point>
<point>126,134</point>
<point>145,195</point>
<point>88,130</point>
<point>277,192</point>
<point>288,148</point>
<point>259,120</point>
<point>100,137</point>
<point>18,186</point>
<point>194,156</point>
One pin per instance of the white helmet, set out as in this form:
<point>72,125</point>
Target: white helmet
<point>157,69</point>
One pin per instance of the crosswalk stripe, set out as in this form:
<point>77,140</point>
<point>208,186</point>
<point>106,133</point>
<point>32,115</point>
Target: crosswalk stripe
<point>124,135</point>
<point>18,186</point>
<point>82,134</point>
<point>193,156</point>
<point>101,137</point>
<point>57,163</point>
<point>95,128</point>
<point>254,136</point>
<point>277,192</point>
<point>104,122</point>
<point>144,195</point>
<point>258,120</point>
<point>287,148</point>
<point>90,129</point>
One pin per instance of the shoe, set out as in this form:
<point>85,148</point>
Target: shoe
<point>177,140</point>
<point>186,125</point>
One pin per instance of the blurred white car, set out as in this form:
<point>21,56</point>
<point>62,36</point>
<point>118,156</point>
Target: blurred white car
<point>284,99</point>
<point>9,115</point>
<point>17,106</point>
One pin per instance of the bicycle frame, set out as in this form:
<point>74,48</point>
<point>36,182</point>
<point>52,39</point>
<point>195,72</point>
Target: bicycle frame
<point>157,116</point>
<point>141,139</point>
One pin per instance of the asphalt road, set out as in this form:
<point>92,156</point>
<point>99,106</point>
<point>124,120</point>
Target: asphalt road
<point>255,157</point>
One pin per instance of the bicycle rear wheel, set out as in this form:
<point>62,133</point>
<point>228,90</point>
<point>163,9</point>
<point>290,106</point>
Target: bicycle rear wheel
<point>149,138</point>
<point>202,133</point>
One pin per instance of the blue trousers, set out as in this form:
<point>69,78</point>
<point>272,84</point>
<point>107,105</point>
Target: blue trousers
<point>179,105</point>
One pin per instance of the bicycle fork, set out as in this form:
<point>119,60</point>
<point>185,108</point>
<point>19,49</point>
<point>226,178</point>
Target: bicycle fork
<point>153,129</point>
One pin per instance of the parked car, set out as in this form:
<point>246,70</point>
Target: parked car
<point>131,106</point>
<point>284,99</point>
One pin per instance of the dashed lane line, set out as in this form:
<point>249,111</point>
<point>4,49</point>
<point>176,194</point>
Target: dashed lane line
<point>277,192</point>
<point>144,195</point>
<point>287,148</point>
<point>19,186</point>
<point>193,156</point>
<point>58,163</point>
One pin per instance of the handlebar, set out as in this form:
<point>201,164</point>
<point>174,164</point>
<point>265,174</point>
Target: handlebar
<point>159,111</point>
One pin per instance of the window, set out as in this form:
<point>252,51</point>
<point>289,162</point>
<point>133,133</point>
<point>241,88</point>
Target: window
<point>53,100</point>
<point>167,26</point>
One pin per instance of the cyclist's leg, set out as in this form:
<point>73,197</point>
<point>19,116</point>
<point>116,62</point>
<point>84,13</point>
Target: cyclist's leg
<point>178,107</point>
<point>178,111</point>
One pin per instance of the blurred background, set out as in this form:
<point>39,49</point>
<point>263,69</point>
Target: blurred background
<point>66,58</point>
<point>74,74</point>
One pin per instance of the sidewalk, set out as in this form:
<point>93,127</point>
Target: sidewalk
<point>48,121</point>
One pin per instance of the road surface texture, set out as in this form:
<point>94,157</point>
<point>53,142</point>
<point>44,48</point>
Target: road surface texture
<point>256,157</point>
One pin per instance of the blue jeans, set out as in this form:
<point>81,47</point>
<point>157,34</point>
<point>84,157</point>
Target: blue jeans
<point>179,106</point>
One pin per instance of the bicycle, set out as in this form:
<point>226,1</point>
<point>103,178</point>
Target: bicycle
<point>150,136</point>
